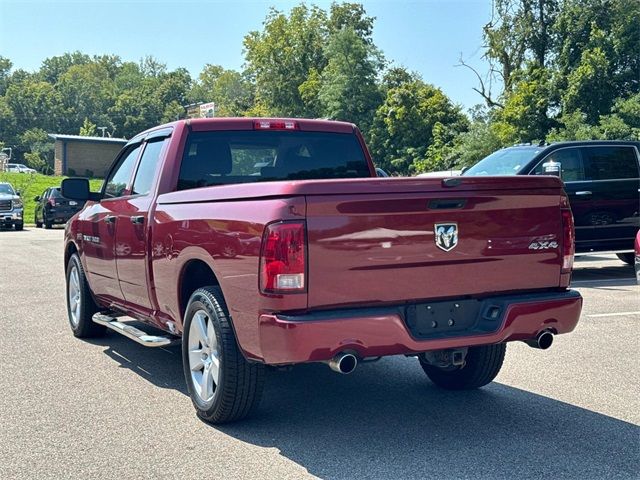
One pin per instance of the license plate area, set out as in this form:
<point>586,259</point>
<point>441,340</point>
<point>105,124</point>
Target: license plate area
<point>452,318</point>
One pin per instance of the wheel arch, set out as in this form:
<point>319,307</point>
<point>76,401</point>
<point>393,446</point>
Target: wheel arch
<point>69,250</point>
<point>195,274</point>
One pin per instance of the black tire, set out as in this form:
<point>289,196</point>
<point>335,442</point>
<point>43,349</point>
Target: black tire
<point>84,326</point>
<point>47,223</point>
<point>482,364</point>
<point>240,383</point>
<point>38,224</point>
<point>18,226</point>
<point>628,258</point>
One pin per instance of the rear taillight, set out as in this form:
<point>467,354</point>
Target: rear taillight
<point>568,240</point>
<point>275,125</point>
<point>283,260</point>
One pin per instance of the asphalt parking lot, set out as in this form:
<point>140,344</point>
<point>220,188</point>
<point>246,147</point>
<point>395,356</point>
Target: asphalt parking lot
<point>110,408</point>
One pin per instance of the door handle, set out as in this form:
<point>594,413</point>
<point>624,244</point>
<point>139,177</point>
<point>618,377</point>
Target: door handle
<point>110,219</point>
<point>586,192</point>
<point>138,220</point>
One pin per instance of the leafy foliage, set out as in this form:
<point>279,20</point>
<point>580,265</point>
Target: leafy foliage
<point>558,70</point>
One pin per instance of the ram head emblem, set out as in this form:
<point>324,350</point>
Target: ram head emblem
<point>446,235</point>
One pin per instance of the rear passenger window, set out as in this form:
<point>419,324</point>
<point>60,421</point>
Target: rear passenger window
<point>570,162</point>
<point>147,168</point>
<point>606,163</point>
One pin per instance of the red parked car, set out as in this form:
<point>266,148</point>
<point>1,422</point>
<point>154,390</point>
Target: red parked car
<point>350,267</point>
<point>637,252</point>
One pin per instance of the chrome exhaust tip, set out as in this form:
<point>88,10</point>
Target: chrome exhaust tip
<point>543,340</point>
<point>344,363</point>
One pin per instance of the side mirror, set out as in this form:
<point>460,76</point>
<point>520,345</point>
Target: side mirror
<point>76,189</point>
<point>552,168</point>
<point>381,173</point>
<point>18,192</point>
<point>37,199</point>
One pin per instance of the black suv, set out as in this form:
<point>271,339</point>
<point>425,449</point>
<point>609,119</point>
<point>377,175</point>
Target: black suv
<point>602,179</point>
<point>52,207</point>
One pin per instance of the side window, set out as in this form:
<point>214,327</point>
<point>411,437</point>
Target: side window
<point>570,161</point>
<point>116,184</point>
<point>45,194</point>
<point>606,163</point>
<point>147,167</point>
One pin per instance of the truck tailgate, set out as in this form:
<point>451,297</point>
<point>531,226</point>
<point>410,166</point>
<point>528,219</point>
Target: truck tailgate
<point>413,240</point>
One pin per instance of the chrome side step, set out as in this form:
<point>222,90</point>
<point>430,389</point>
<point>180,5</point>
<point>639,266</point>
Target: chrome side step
<point>134,333</point>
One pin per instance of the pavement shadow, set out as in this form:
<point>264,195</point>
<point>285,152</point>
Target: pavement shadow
<point>159,366</point>
<point>386,420</point>
<point>609,276</point>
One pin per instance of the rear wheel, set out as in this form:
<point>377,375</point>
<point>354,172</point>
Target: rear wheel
<point>229,250</point>
<point>628,257</point>
<point>80,304</point>
<point>481,366</point>
<point>38,224</point>
<point>223,386</point>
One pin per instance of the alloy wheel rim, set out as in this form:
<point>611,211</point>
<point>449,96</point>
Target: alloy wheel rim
<point>204,356</point>
<point>75,296</point>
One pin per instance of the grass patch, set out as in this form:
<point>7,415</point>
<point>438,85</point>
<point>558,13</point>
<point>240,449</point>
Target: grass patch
<point>30,185</point>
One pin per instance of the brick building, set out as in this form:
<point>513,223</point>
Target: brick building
<point>84,156</point>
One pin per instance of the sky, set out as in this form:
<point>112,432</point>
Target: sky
<point>426,36</point>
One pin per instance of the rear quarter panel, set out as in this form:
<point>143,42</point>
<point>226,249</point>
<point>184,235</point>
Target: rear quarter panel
<point>184,232</point>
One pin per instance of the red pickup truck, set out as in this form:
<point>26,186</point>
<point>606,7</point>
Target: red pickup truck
<point>258,242</point>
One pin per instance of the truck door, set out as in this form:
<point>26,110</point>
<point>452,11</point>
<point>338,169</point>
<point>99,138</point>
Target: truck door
<point>99,230</point>
<point>133,229</point>
<point>614,216</point>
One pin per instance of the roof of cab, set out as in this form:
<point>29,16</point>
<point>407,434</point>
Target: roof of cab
<point>247,123</point>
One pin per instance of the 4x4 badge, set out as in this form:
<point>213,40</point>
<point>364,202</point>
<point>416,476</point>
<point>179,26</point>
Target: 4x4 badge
<point>446,235</point>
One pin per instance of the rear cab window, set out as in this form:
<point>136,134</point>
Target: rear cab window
<point>611,162</point>
<point>228,157</point>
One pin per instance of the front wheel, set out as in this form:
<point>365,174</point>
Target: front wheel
<point>19,226</point>
<point>628,257</point>
<point>481,366</point>
<point>222,384</point>
<point>80,304</point>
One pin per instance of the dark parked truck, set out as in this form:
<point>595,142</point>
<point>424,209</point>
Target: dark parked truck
<point>602,181</point>
<point>11,207</point>
<point>345,266</point>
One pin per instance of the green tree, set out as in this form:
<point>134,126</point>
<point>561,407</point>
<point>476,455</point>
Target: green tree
<point>5,69</point>
<point>405,124</point>
<point>53,67</point>
<point>348,88</point>
<point>282,56</point>
<point>232,91</point>
<point>480,140</point>
<point>88,129</point>
<point>86,91</point>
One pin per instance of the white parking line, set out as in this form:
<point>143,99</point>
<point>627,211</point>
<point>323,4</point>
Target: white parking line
<point>617,314</point>
<point>604,280</point>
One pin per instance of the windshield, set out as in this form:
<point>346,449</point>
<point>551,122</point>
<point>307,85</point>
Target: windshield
<point>5,188</point>
<point>508,161</point>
